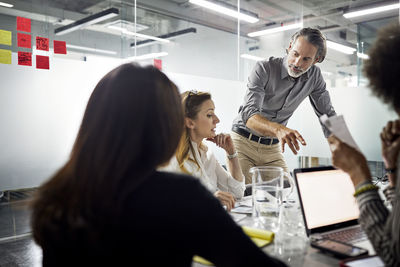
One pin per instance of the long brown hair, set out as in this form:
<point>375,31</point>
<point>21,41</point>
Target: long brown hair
<point>191,102</point>
<point>132,124</point>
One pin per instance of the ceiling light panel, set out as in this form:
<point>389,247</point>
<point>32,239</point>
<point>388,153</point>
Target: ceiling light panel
<point>341,48</point>
<point>90,20</point>
<point>224,10</point>
<point>6,4</point>
<point>276,29</point>
<point>371,11</point>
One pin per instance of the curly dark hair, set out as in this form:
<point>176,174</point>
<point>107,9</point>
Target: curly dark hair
<point>383,66</point>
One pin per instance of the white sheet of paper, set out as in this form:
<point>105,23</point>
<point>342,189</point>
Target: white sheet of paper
<point>237,217</point>
<point>338,127</point>
<point>243,209</point>
<point>367,262</point>
<point>245,201</point>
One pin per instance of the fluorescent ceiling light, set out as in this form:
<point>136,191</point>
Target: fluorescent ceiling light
<point>224,10</point>
<point>276,29</point>
<point>371,11</point>
<point>92,49</point>
<point>341,48</point>
<point>90,20</point>
<point>327,73</point>
<point>247,56</point>
<point>362,55</point>
<point>140,35</point>
<point>6,4</point>
<point>164,36</point>
<point>148,56</point>
<point>128,25</point>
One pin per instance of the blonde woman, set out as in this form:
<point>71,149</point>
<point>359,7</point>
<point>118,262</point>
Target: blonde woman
<point>193,157</point>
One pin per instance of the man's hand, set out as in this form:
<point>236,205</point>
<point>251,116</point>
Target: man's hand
<point>289,137</point>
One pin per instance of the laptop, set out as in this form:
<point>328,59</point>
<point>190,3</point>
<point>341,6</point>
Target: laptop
<point>328,206</point>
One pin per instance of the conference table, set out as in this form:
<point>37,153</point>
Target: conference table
<point>293,250</point>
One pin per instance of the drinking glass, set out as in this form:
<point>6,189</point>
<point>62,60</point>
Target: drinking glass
<point>267,191</point>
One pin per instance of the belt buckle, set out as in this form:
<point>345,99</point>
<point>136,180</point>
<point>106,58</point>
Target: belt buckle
<point>259,140</point>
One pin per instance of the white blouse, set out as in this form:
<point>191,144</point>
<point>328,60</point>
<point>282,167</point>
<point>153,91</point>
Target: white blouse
<point>211,174</point>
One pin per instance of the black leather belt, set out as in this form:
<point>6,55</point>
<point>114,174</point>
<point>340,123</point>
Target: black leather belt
<point>253,137</point>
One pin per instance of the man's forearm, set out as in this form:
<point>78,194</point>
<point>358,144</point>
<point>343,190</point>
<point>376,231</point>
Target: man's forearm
<point>262,125</point>
<point>284,134</point>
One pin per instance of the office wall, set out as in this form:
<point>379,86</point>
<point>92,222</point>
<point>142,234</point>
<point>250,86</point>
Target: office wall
<point>40,112</point>
<point>365,116</point>
<point>208,52</point>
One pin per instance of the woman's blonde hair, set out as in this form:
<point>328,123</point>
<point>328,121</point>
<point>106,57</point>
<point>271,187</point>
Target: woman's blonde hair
<point>191,102</point>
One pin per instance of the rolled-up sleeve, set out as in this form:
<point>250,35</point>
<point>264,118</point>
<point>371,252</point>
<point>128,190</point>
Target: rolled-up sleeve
<point>226,182</point>
<point>321,101</point>
<point>255,91</point>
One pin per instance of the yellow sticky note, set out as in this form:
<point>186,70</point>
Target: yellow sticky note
<point>202,260</point>
<point>260,242</point>
<point>5,56</point>
<point>5,37</point>
<point>259,233</point>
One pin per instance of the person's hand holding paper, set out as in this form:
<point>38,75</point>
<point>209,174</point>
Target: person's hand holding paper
<point>337,126</point>
<point>346,154</point>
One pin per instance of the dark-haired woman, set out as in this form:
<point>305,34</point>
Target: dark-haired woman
<point>381,226</point>
<point>193,156</point>
<point>108,206</point>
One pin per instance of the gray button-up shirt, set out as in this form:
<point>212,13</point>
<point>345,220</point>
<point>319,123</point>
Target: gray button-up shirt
<point>275,95</point>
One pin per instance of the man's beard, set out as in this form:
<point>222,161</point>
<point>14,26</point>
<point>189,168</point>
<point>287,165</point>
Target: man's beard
<point>296,74</point>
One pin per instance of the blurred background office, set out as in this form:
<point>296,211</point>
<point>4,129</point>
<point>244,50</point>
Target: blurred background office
<point>199,48</point>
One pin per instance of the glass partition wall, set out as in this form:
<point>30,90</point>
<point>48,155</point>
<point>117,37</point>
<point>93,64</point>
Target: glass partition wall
<point>52,54</point>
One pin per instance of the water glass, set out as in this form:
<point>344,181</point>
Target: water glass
<point>267,187</point>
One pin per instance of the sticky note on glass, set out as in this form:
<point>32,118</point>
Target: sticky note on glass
<point>60,47</point>
<point>5,56</point>
<point>24,40</point>
<point>5,37</point>
<point>42,62</point>
<point>42,43</point>
<point>158,63</point>
<point>23,24</point>
<point>24,58</point>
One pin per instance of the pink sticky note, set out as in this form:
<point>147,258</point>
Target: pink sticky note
<point>23,24</point>
<point>158,64</point>
<point>42,62</point>
<point>24,40</point>
<point>24,58</point>
<point>42,43</point>
<point>60,47</point>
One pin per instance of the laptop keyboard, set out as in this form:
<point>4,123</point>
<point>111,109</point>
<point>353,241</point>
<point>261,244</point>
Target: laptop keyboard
<point>351,235</point>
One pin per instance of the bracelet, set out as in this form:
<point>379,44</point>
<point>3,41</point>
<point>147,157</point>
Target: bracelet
<point>365,188</point>
<point>391,170</point>
<point>232,156</point>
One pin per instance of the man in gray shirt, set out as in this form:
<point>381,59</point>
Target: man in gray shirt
<point>275,88</point>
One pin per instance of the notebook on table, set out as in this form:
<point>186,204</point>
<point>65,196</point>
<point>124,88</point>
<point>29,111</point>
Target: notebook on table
<point>328,205</point>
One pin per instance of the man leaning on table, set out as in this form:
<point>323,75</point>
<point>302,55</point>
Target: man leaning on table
<point>275,88</point>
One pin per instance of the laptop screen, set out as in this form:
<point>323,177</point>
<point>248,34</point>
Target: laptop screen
<point>326,197</point>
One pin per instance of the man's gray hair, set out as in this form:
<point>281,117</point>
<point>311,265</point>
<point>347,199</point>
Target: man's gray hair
<point>316,38</point>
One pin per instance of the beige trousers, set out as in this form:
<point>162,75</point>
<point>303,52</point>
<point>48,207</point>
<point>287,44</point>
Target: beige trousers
<point>251,154</point>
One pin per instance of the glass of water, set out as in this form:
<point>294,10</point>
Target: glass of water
<point>267,187</point>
